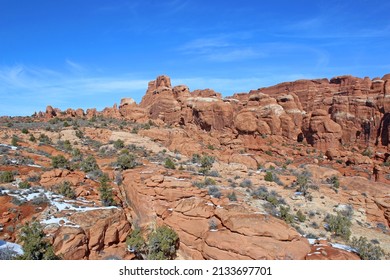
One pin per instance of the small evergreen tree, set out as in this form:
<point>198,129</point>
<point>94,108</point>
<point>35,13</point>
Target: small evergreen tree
<point>367,250</point>
<point>89,164</point>
<point>162,244</point>
<point>35,246</point>
<point>6,177</point>
<point>339,225</point>
<point>269,177</point>
<point>106,195</point>
<point>169,164</point>
<point>66,190</point>
<point>60,162</point>
<point>119,144</point>
<point>126,161</point>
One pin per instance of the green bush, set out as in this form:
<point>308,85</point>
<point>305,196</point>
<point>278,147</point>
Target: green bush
<point>367,152</point>
<point>32,138</point>
<point>246,183</point>
<point>35,245</point>
<point>367,250</point>
<point>106,194</point>
<point>206,162</point>
<point>285,214</point>
<point>24,185</point>
<point>269,177</point>
<point>300,216</point>
<point>232,196</point>
<point>25,131</point>
<point>162,244</point>
<point>43,138</point>
<point>126,161</point>
<point>66,190</point>
<point>339,225</point>
<point>136,243</point>
<point>60,162</point>
<point>169,164</point>
<point>214,192</point>
<point>14,141</point>
<point>6,177</point>
<point>119,144</point>
<point>89,164</point>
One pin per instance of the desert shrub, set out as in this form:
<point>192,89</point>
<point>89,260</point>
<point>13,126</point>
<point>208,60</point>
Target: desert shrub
<point>346,211</point>
<point>79,134</point>
<point>285,214</point>
<point>206,182</point>
<point>214,192</point>
<point>64,145</point>
<point>246,183</point>
<point>214,173</point>
<point>367,152</point>
<point>300,216</point>
<point>6,177</point>
<point>213,224</point>
<point>34,178</point>
<point>206,162</point>
<point>44,139</point>
<point>302,182</point>
<point>24,185</point>
<point>210,147</point>
<point>66,190</point>
<point>35,245</point>
<point>269,177</point>
<point>60,162</point>
<point>15,140</point>
<point>119,144</point>
<point>89,164</point>
<point>76,154</point>
<point>126,161</point>
<point>25,131</point>
<point>162,244</point>
<point>135,241</point>
<point>339,225</point>
<point>367,250</point>
<point>334,182</point>
<point>272,197</point>
<point>40,199</point>
<point>195,158</point>
<point>106,193</point>
<point>232,196</point>
<point>32,138</point>
<point>169,164</point>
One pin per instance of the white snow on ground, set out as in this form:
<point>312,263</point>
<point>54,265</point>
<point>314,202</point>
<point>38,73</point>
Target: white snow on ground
<point>65,222</point>
<point>312,241</point>
<point>34,165</point>
<point>343,247</point>
<point>14,148</point>
<point>61,204</point>
<point>12,246</point>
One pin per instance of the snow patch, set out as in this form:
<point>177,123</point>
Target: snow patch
<point>11,246</point>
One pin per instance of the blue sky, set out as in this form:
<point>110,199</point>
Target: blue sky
<point>91,53</point>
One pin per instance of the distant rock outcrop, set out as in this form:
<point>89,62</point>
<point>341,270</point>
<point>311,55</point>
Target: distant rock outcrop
<point>323,112</point>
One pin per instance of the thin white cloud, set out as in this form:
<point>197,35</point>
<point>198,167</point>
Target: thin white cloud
<point>221,48</point>
<point>34,88</point>
<point>74,66</point>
